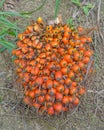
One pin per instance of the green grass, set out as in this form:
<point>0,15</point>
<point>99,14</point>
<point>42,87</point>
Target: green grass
<point>1,99</point>
<point>85,8</point>
<point>35,10</point>
<point>57,3</point>
<point>8,28</point>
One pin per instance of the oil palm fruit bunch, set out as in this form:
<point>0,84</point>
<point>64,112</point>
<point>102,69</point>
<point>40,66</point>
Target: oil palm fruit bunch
<point>51,61</point>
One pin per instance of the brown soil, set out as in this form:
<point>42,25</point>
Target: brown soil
<point>90,113</point>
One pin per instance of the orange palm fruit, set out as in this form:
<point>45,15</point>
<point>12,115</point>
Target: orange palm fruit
<point>64,70</point>
<point>58,107</point>
<point>36,105</point>
<point>86,60</point>
<point>76,101</point>
<point>39,80</point>
<point>68,58</point>
<point>58,75</point>
<point>72,90</point>
<point>75,68</point>
<point>50,111</point>
<point>63,63</point>
<point>81,91</point>
<point>49,83</point>
<point>40,99</point>
<point>71,74</point>
<point>65,100</point>
<point>32,94</point>
<point>52,91</point>
<point>27,100</point>
<point>66,91</point>
<point>60,88</point>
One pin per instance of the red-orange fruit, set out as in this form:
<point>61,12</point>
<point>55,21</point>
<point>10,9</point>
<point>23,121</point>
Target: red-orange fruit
<point>48,97</point>
<point>72,90</point>
<point>64,70</point>
<point>40,99</point>
<point>74,84</point>
<point>35,71</point>
<point>58,96</point>
<point>55,83</point>
<point>63,63</point>
<point>57,107</point>
<point>76,101</point>
<point>49,83</point>
<point>48,47</point>
<point>65,108</point>
<point>86,60</point>
<point>49,104</point>
<point>76,56</point>
<point>71,51</point>
<point>58,75</point>
<point>39,80</point>
<point>81,91</point>
<point>60,88</point>
<point>62,81</point>
<point>75,68</point>
<point>46,71</point>
<point>67,34</point>
<point>50,111</point>
<point>27,100</point>
<point>30,28</point>
<point>66,91</point>
<point>88,53</point>
<point>52,91</point>
<point>36,105</point>
<point>27,93</point>
<point>45,78</point>
<point>68,81</point>
<point>37,92</point>
<point>81,64</point>
<point>51,65</point>
<point>65,40</point>
<point>43,92</point>
<point>68,58</point>
<point>61,51</point>
<point>89,39</point>
<point>70,99</point>
<point>32,94</point>
<point>71,74</point>
<point>83,39</point>
<point>65,100</point>
<point>55,44</point>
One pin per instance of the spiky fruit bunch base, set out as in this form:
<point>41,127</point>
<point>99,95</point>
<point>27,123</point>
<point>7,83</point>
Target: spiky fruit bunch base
<point>51,61</point>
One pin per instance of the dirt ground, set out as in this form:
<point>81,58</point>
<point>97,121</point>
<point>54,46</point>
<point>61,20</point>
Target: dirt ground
<point>90,113</point>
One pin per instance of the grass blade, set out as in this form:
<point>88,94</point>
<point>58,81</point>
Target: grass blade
<point>7,44</point>
<point>1,3</point>
<point>12,32</point>
<point>10,13</point>
<point>8,23</point>
<point>31,12</point>
<point>70,22</point>
<point>56,8</point>
<point>4,30</point>
<point>77,2</point>
<point>2,49</point>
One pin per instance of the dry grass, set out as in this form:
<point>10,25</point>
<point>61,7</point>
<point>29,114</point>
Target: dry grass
<point>89,115</point>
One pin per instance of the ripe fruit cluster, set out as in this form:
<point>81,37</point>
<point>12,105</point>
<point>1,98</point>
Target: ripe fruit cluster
<point>51,61</point>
